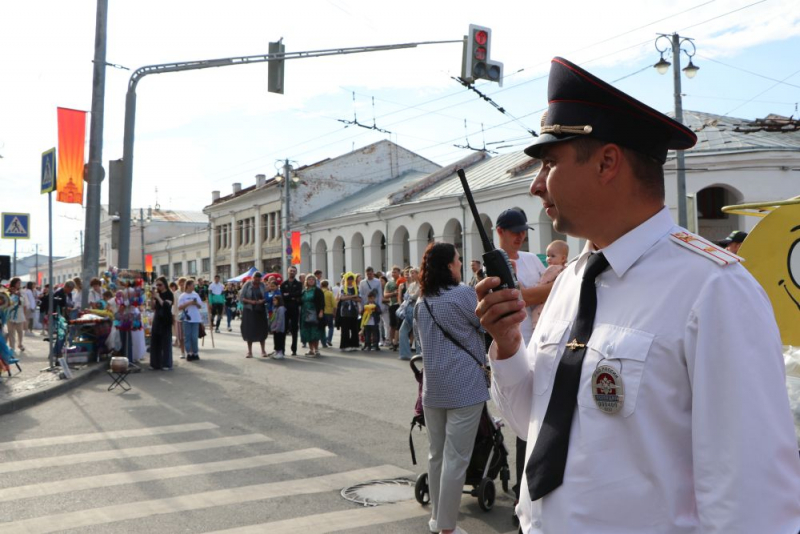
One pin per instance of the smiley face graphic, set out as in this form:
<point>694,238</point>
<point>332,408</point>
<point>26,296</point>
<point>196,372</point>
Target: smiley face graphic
<point>772,255</point>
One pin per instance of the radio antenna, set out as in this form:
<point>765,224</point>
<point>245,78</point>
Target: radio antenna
<point>487,241</point>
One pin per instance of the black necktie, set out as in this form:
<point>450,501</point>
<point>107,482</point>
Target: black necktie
<point>545,471</point>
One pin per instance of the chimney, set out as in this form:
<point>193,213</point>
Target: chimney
<point>261,179</point>
<point>214,196</point>
<point>237,187</point>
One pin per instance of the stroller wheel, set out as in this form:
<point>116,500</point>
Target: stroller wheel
<point>486,494</point>
<point>421,491</point>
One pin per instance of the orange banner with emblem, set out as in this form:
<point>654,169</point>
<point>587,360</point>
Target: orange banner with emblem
<point>295,248</point>
<point>71,141</point>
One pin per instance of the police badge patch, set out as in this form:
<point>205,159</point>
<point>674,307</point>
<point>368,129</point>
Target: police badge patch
<point>607,389</point>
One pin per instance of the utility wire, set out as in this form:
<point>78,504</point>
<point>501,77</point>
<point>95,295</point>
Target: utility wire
<point>449,95</point>
<point>747,71</point>
<point>762,92</point>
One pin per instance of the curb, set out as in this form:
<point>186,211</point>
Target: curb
<point>62,386</point>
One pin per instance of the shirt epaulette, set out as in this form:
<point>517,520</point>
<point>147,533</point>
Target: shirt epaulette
<point>705,248</point>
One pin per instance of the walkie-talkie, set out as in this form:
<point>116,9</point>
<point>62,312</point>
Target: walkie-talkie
<point>495,260</point>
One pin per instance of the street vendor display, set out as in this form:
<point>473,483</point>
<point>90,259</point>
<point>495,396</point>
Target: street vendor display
<point>129,319</point>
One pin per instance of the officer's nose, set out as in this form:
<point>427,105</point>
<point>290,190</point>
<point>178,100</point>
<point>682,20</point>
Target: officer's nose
<point>539,184</point>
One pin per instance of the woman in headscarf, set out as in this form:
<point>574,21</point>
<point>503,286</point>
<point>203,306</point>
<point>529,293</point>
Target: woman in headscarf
<point>348,310</point>
<point>255,326</point>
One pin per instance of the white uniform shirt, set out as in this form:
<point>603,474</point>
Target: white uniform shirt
<point>216,288</point>
<point>529,269</point>
<point>705,441</point>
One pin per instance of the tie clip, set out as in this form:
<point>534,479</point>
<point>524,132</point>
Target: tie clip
<point>574,345</point>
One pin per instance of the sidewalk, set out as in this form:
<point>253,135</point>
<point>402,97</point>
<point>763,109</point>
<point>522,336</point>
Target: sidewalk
<point>32,385</point>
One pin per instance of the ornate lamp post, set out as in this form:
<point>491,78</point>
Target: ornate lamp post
<point>674,44</point>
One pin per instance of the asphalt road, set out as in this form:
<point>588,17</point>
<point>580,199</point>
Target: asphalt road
<point>224,444</point>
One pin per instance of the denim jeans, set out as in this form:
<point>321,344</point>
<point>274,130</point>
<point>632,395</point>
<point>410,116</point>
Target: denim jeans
<point>229,314</point>
<point>191,331</point>
<point>405,332</point>
<point>328,321</point>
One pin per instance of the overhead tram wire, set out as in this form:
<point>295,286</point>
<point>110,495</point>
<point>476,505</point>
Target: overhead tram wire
<point>616,37</point>
<point>770,88</point>
<point>450,141</point>
<point>446,96</point>
<point>706,58</point>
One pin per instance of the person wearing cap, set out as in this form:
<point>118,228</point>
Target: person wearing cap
<point>512,231</point>
<point>733,242</point>
<point>652,392</point>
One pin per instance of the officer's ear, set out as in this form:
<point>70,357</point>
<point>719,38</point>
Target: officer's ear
<point>609,160</point>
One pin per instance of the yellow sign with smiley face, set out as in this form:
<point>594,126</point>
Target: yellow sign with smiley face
<point>772,254</point>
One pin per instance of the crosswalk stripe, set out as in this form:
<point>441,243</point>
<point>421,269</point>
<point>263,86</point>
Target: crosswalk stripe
<point>145,475</point>
<point>135,452</point>
<point>99,436</point>
<point>199,501</point>
<point>337,521</point>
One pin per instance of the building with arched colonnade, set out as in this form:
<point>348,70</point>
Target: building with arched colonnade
<point>391,223</point>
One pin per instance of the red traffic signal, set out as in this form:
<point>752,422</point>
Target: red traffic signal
<point>476,63</point>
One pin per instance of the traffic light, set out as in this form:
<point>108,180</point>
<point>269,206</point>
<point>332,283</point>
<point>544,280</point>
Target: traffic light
<point>275,69</point>
<point>477,64</point>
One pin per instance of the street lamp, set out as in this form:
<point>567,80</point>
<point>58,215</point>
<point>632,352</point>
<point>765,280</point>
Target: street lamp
<point>675,47</point>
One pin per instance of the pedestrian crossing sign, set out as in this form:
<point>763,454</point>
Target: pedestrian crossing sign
<point>48,171</point>
<point>16,225</point>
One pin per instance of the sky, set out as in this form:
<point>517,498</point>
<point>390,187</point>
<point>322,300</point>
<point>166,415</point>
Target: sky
<point>201,131</point>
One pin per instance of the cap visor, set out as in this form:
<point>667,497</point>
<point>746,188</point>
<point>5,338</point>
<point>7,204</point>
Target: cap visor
<point>543,140</point>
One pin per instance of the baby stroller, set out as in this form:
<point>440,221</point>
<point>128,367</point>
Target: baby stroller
<point>489,456</point>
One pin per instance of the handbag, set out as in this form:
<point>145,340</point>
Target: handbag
<point>310,316</point>
<point>487,371</point>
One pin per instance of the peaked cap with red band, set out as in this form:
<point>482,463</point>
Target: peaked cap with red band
<point>582,105</point>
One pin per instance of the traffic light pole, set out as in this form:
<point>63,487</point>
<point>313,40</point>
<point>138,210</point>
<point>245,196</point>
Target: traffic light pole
<point>130,113</point>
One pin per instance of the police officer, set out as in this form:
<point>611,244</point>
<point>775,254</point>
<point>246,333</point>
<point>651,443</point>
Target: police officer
<point>652,392</point>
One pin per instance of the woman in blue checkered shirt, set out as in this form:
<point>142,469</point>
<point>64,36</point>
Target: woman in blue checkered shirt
<point>454,385</point>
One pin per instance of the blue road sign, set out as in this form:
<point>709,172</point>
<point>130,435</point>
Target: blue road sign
<point>48,171</point>
<point>16,225</point>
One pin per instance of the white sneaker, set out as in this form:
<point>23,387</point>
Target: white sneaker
<point>279,356</point>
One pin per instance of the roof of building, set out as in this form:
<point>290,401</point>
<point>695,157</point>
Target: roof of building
<point>721,133</point>
<point>490,172</point>
<point>368,200</point>
<point>482,172</point>
<point>157,214</point>
<point>180,216</point>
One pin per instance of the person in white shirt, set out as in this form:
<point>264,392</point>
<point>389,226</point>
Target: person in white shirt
<point>368,285</point>
<point>217,300</point>
<point>190,304</point>
<point>512,231</point>
<point>653,390</point>
<point>95,292</point>
<point>30,307</point>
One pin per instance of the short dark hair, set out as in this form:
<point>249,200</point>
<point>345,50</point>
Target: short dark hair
<point>434,273</point>
<point>647,170</point>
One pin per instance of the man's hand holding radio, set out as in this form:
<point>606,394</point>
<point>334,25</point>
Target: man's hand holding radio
<point>500,313</point>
